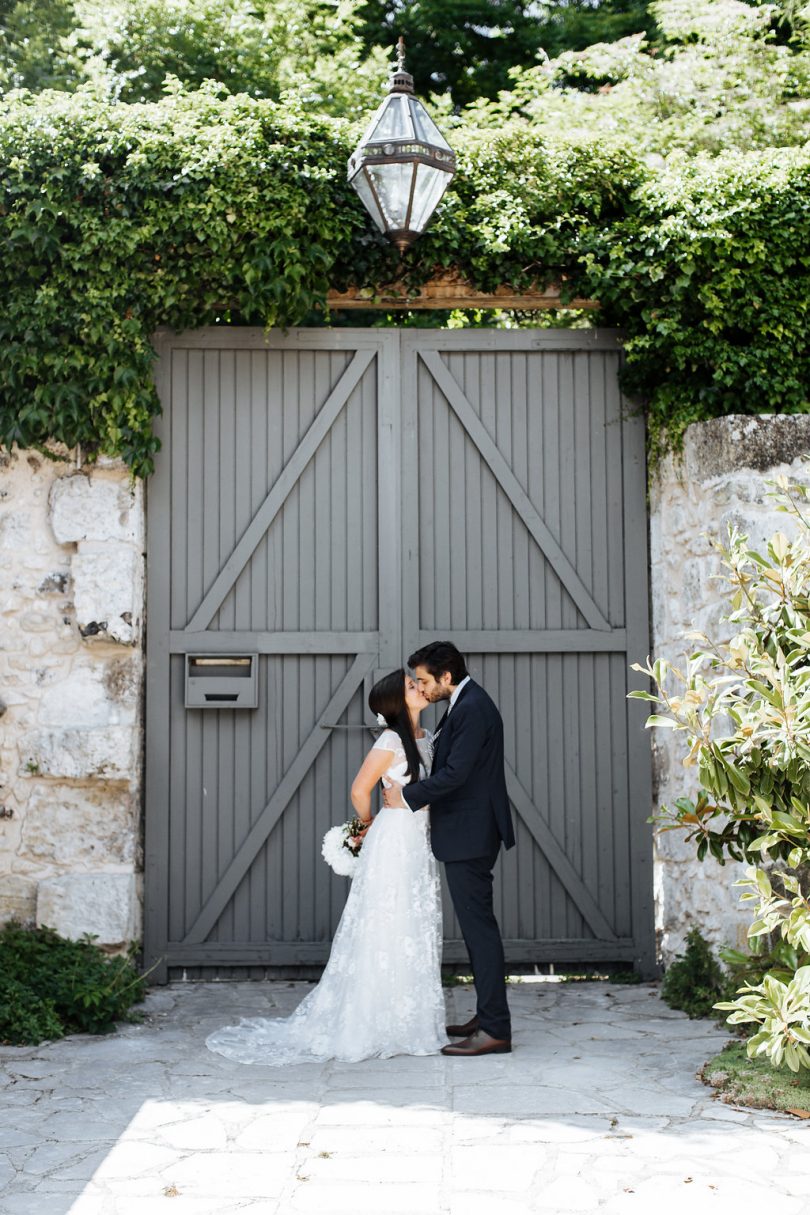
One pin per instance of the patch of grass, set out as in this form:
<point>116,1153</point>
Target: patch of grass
<point>602,976</point>
<point>557,975</point>
<point>454,980</point>
<point>743,1081</point>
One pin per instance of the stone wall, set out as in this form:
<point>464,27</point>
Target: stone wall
<point>71,677</point>
<point>721,478</point>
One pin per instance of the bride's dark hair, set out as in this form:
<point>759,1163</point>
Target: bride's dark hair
<point>388,698</point>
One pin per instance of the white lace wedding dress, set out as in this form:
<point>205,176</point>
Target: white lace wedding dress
<point>380,994</point>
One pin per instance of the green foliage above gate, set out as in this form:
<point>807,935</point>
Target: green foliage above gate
<point>203,209</point>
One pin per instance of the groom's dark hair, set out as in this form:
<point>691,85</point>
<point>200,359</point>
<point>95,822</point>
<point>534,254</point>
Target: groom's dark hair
<point>438,657</point>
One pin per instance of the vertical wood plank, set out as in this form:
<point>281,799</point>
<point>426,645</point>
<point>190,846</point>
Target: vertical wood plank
<point>158,691</point>
<point>598,516</point>
<point>338,515</point>
<point>489,500</point>
<point>615,490</point>
<point>167,552</point>
<point>265,382</point>
<point>208,790</point>
<point>569,483</point>
<point>417,514</point>
<point>519,457</point>
<point>390,500</point>
<point>502,433</point>
<point>370,476</point>
<point>454,462</point>
<point>472,539</point>
<point>552,408</point>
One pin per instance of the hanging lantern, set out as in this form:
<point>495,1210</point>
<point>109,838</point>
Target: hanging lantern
<point>403,164</point>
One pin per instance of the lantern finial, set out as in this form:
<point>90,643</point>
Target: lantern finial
<point>401,81</point>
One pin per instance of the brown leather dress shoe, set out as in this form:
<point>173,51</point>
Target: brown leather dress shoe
<point>462,1031</point>
<point>480,1043</point>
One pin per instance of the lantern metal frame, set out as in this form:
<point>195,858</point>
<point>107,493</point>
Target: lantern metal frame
<point>413,150</point>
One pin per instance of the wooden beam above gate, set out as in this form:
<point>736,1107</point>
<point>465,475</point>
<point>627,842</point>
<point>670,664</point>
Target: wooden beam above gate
<point>450,290</point>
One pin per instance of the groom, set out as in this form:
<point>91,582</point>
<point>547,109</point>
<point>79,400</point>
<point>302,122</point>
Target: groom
<point>469,819</point>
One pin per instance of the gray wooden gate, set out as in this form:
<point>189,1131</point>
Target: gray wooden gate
<point>328,500</point>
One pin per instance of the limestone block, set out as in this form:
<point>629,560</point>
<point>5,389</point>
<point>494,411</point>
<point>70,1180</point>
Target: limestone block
<point>672,846</point>
<point>11,697</point>
<point>702,896</point>
<point>108,592</point>
<point>15,531</point>
<point>83,699</point>
<point>81,754</point>
<point>79,827</point>
<point>123,680</point>
<point>104,904</point>
<point>759,527</point>
<point>95,508</point>
<point>759,444</point>
<point>35,622</point>
<point>38,647</point>
<point>18,897</point>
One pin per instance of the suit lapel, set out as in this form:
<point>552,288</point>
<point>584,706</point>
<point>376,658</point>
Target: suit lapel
<point>441,728</point>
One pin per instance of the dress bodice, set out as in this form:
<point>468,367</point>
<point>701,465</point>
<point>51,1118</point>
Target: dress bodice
<point>397,771</point>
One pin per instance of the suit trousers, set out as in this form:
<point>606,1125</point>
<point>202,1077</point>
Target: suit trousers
<point>470,884</point>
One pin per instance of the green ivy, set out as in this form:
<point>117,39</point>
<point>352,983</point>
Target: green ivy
<point>710,277</point>
<point>117,220</point>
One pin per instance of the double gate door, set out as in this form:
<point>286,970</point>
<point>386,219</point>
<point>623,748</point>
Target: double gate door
<point>327,501</point>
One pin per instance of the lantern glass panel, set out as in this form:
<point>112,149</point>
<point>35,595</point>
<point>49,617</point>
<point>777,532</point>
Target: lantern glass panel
<point>361,185</point>
<point>431,183</point>
<point>424,126</point>
<point>394,122</point>
<point>392,183</point>
<point>372,122</point>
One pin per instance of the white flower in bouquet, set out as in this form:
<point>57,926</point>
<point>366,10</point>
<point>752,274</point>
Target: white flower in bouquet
<point>341,847</point>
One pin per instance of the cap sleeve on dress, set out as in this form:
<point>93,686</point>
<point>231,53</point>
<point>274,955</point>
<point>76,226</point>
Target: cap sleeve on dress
<point>389,740</point>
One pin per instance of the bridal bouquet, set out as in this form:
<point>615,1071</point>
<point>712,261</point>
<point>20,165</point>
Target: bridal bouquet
<point>341,846</point>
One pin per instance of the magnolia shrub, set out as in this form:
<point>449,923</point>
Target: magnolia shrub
<point>742,706</point>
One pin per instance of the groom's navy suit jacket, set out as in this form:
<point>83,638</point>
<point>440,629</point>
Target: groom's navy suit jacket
<point>469,807</point>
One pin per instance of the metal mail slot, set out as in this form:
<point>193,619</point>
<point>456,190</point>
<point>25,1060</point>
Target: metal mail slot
<point>222,681</point>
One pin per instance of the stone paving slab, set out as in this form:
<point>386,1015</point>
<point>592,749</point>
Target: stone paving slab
<point>597,1109</point>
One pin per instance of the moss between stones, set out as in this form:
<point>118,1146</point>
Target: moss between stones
<point>743,1081</point>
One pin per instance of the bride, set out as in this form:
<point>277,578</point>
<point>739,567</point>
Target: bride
<point>380,994</point>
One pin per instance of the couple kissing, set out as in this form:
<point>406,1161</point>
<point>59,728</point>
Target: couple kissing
<point>444,799</point>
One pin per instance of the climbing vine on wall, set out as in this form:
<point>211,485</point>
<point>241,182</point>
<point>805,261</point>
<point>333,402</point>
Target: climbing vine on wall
<point>203,209</point>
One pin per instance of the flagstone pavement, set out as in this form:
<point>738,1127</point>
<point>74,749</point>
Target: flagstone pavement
<point>596,1110</point>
